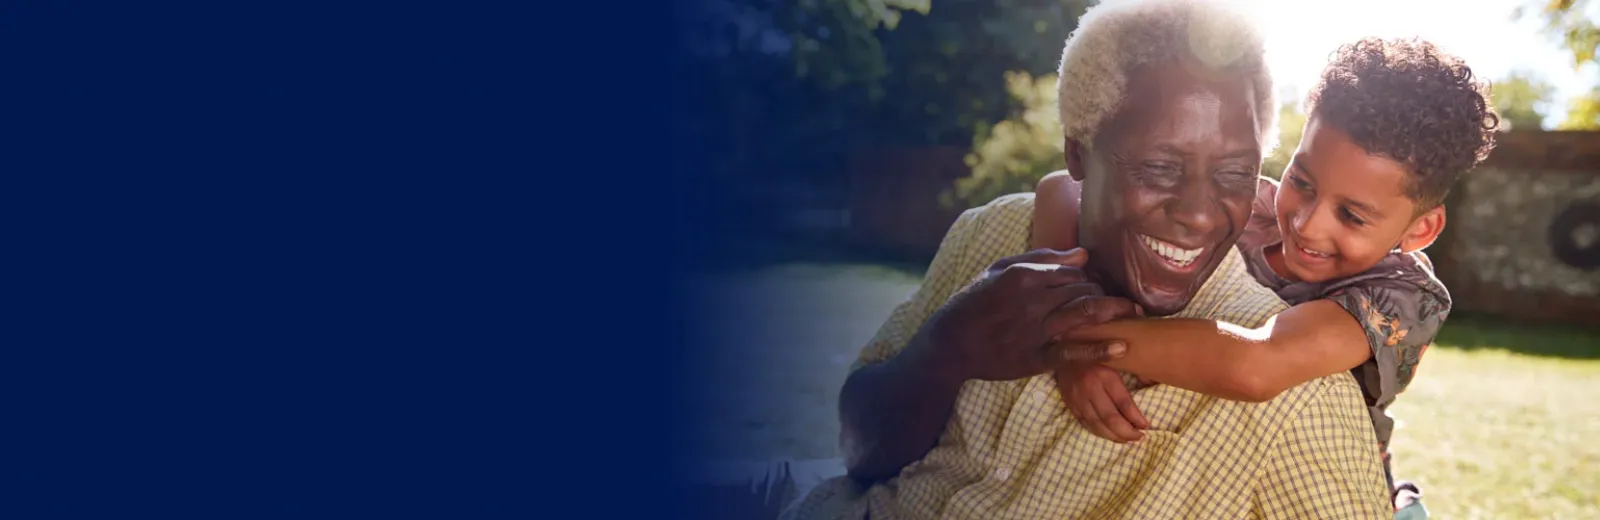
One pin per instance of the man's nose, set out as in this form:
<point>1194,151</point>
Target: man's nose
<point>1197,208</point>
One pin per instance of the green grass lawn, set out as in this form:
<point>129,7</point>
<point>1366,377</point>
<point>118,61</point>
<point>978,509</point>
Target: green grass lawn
<point>1502,421</point>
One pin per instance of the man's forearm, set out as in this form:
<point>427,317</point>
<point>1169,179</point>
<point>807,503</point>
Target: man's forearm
<point>892,413</point>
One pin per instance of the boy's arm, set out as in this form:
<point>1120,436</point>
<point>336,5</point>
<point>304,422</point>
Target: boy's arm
<point>1310,340</point>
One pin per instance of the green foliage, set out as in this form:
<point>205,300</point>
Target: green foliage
<point>1583,113</point>
<point>1520,98</point>
<point>1291,122</point>
<point>796,89</point>
<point>835,42</point>
<point>1014,154</point>
<point>1573,21</point>
<point>947,69</point>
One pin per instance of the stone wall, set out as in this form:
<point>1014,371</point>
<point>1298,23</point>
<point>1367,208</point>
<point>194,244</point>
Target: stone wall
<point>1497,255</point>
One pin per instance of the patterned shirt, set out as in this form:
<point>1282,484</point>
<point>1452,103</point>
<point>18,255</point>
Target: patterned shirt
<point>1011,449</point>
<point>1399,304</point>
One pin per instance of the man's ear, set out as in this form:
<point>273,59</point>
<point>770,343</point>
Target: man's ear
<point>1075,159</point>
<point>1423,231</point>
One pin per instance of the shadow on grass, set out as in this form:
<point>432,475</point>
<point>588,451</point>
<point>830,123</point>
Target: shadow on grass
<point>1479,332</point>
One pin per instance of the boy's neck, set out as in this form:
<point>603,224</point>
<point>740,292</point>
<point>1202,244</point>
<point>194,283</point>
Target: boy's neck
<point>1273,254</point>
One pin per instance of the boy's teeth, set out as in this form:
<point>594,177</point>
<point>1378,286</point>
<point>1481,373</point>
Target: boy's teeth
<point>1171,252</point>
<point>1314,253</point>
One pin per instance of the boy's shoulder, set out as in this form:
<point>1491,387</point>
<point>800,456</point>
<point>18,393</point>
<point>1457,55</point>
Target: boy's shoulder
<point>1405,273</point>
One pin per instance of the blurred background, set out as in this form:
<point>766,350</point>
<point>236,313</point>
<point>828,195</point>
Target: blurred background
<point>834,141</point>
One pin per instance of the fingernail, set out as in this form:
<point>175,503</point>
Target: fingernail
<point>1116,349</point>
<point>1138,309</point>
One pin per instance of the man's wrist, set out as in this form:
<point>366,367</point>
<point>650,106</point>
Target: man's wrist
<point>932,361</point>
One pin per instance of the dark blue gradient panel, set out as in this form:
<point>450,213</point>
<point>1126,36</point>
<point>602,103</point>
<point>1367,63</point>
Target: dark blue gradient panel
<point>777,293</point>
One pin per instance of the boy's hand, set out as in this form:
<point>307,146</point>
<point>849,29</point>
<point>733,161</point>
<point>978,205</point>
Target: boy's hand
<point>1095,396</point>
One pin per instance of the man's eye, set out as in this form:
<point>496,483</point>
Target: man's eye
<point>1161,167</point>
<point>1160,173</point>
<point>1237,179</point>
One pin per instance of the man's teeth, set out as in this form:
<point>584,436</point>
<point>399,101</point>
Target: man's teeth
<point>1176,254</point>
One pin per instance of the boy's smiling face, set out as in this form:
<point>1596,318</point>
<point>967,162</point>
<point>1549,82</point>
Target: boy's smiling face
<point>1341,210</point>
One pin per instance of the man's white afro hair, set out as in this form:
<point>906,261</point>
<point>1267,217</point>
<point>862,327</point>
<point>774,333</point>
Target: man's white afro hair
<point>1117,36</point>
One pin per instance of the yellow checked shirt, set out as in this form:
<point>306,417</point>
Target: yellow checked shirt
<point>1011,449</point>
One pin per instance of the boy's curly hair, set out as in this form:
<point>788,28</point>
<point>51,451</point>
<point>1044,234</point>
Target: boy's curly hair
<point>1411,102</point>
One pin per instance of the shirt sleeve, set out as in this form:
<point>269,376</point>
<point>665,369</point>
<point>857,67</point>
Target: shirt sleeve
<point>950,271</point>
<point>1324,463</point>
<point>1401,314</point>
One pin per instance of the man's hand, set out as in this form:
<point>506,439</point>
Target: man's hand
<point>1098,400</point>
<point>1001,327</point>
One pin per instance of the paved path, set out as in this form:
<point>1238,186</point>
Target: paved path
<point>784,338</point>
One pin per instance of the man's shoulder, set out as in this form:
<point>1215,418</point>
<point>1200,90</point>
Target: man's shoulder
<point>1005,208</point>
<point>1000,228</point>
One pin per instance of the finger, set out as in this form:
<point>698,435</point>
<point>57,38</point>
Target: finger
<point>1087,310</point>
<point>1033,274</point>
<point>1089,417</point>
<point>1075,257</point>
<point>1111,416</point>
<point>1076,353</point>
<point>1062,294</point>
<point>1124,403</point>
<point>1073,398</point>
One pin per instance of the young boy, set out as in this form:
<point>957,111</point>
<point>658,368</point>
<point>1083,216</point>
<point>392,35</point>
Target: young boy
<point>1392,124</point>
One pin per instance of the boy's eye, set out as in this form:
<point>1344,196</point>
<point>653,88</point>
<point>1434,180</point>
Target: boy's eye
<point>1352,218</point>
<point>1299,183</point>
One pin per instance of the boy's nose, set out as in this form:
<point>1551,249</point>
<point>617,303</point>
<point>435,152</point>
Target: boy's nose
<point>1311,224</point>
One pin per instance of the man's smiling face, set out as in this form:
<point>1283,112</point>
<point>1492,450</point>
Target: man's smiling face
<point>1169,183</point>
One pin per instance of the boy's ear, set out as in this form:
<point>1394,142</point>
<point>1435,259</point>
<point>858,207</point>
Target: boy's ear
<point>1075,159</point>
<point>1423,231</point>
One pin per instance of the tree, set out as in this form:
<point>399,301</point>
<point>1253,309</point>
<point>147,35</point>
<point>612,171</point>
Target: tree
<point>1291,123</point>
<point>1520,99</point>
<point>947,69</point>
<point>1014,154</point>
<point>1573,21</point>
<point>1583,113</point>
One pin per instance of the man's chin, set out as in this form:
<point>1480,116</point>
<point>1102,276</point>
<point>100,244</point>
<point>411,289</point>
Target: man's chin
<point>1161,303</point>
<point>1167,296</point>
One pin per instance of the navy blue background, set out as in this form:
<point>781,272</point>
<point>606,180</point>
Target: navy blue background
<point>341,260</point>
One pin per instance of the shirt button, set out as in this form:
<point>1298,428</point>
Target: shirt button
<point>1003,473</point>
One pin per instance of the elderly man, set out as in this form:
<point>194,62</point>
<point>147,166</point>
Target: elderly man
<point>951,410</point>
